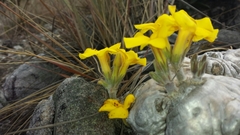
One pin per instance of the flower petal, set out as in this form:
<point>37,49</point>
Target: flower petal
<point>135,41</point>
<point>118,113</point>
<point>205,30</point>
<point>88,53</point>
<point>167,25</point>
<point>172,9</point>
<point>109,105</point>
<point>134,59</point>
<point>183,19</point>
<point>212,36</point>
<point>142,61</point>
<point>159,42</point>
<point>205,23</point>
<point>114,102</point>
<point>107,108</point>
<point>128,101</point>
<point>115,46</point>
<point>200,33</point>
<point>145,27</point>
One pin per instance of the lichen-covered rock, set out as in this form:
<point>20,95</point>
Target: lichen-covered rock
<point>78,101</point>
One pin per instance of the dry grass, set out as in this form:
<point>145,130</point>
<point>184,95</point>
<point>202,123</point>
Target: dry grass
<point>83,24</point>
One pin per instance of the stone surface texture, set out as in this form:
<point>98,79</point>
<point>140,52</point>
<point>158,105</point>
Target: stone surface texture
<point>76,99</point>
<point>224,63</point>
<point>29,78</point>
<point>43,115</point>
<point>209,109</point>
<point>148,115</point>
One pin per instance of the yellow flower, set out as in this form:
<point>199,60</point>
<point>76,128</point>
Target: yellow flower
<point>103,57</point>
<point>191,30</point>
<point>205,30</point>
<point>121,63</point>
<point>123,60</point>
<point>132,58</point>
<point>163,27</point>
<point>116,109</point>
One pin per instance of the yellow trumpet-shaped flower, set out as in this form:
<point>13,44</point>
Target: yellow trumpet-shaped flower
<point>131,59</point>
<point>190,30</point>
<point>200,28</point>
<point>113,76</point>
<point>123,60</point>
<point>103,57</point>
<point>163,27</point>
<point>121,63</point>
<point>116,109</point>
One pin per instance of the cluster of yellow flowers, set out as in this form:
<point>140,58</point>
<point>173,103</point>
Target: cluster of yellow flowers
<point>114,76</point>
<point>122,60</point>
<point>188,29</point>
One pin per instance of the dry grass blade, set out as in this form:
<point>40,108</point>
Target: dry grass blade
<point>64,65</point>
<point>51,48</point>
<point>20,111</point>
<point>52,125</point>
<point>39,29</point>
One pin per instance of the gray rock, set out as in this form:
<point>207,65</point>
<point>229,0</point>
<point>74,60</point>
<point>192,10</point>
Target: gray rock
<point>147,117</point>
<point>224,63</point>
<point>233,56</point>
<point>43,115</point>
<point>29,78</point>
<point>226,37</point>
<point>78,101</point>
<point>209,109</point>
